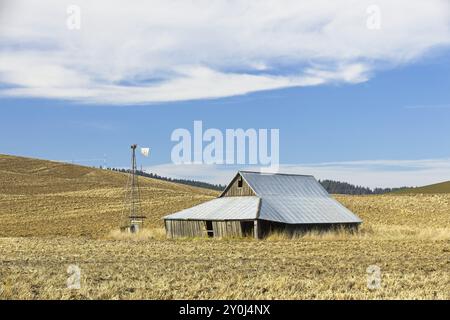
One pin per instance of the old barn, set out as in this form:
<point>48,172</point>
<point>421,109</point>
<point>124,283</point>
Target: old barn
<point>255,204</point>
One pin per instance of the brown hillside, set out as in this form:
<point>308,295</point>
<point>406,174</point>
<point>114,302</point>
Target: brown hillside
<point>442,187</point>
<point>39,198</point>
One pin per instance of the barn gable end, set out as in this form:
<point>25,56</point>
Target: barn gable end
<point>237,188</point>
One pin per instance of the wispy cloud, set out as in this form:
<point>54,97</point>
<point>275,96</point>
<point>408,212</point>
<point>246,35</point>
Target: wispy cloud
<point>156,51</point>
<point>370,173</point>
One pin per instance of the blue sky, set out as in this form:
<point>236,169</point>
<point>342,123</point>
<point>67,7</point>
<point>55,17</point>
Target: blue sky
<point>377,118</point>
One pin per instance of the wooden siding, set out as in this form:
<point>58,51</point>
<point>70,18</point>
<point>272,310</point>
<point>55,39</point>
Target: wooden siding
<point>234,191</point>
<point>233,228</point>
<point>193,228</point>
<point>230,228</point>
<point>268,227</point>
<point>185,228</point>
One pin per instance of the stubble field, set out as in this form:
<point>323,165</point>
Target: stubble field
<point>35,268</point>
<point>59,216</point>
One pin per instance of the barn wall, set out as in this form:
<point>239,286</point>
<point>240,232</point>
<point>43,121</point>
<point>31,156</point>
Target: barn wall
<point>184,228</point>
<point>234,190</point>
<point>227,229</point>
<point>233,228</point>
<point>268,227</point>
<point>192,228</point>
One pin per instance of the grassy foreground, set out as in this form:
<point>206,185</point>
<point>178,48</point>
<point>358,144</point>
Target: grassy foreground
<point>224,269</point>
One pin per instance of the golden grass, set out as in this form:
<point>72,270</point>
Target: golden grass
<point>416,211</point>
<point>144,234</point>
<point>42,198</point>
<point>36,268</point>
<point>54,215</point>
<point>374,232</point>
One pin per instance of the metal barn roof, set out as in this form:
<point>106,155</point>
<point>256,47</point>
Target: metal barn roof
<point>296,199</point>
<point>226,208</point>
<point>286,198</point>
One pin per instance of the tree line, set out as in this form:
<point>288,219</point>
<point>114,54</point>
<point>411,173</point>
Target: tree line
<point>332,186</point>
<point>338,187</point>
<point>188,182</point>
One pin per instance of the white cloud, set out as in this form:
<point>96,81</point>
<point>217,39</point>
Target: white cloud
<point>369,173</point>
<point>152,51</point>
<point>380,173</point>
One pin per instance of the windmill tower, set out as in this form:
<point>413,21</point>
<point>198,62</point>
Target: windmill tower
<point>132,218</point>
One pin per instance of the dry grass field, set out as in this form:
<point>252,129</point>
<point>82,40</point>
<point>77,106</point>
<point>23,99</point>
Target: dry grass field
<point>42,198</point>
<point>35,268</point>
<point>54,215</point>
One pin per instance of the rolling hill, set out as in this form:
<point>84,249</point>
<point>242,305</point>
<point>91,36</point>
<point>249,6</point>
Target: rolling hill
<point>40,198</point>
<point>443,187</point>
<point>407,236</point>
<point>45,198</point>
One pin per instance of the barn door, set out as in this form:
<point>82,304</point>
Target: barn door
<point>209,229</point>
<point>247,228</point>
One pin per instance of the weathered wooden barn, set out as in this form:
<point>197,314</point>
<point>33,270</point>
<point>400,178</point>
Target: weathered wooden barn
<point>256,204</point>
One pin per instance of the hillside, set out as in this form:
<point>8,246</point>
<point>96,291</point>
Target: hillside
<point>339,187</point>
<point>44,198</point>
<point>443,187</point>
<point>407,236</point>
<point>39,198</point>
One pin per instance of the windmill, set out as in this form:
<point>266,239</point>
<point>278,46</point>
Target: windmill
<point>132,218</point>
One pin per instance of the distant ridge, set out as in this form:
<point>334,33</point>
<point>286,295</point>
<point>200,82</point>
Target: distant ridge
<point>442,187</point>
<point>338,187</point>
<point>334,187</point>
<point>194,183</point>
